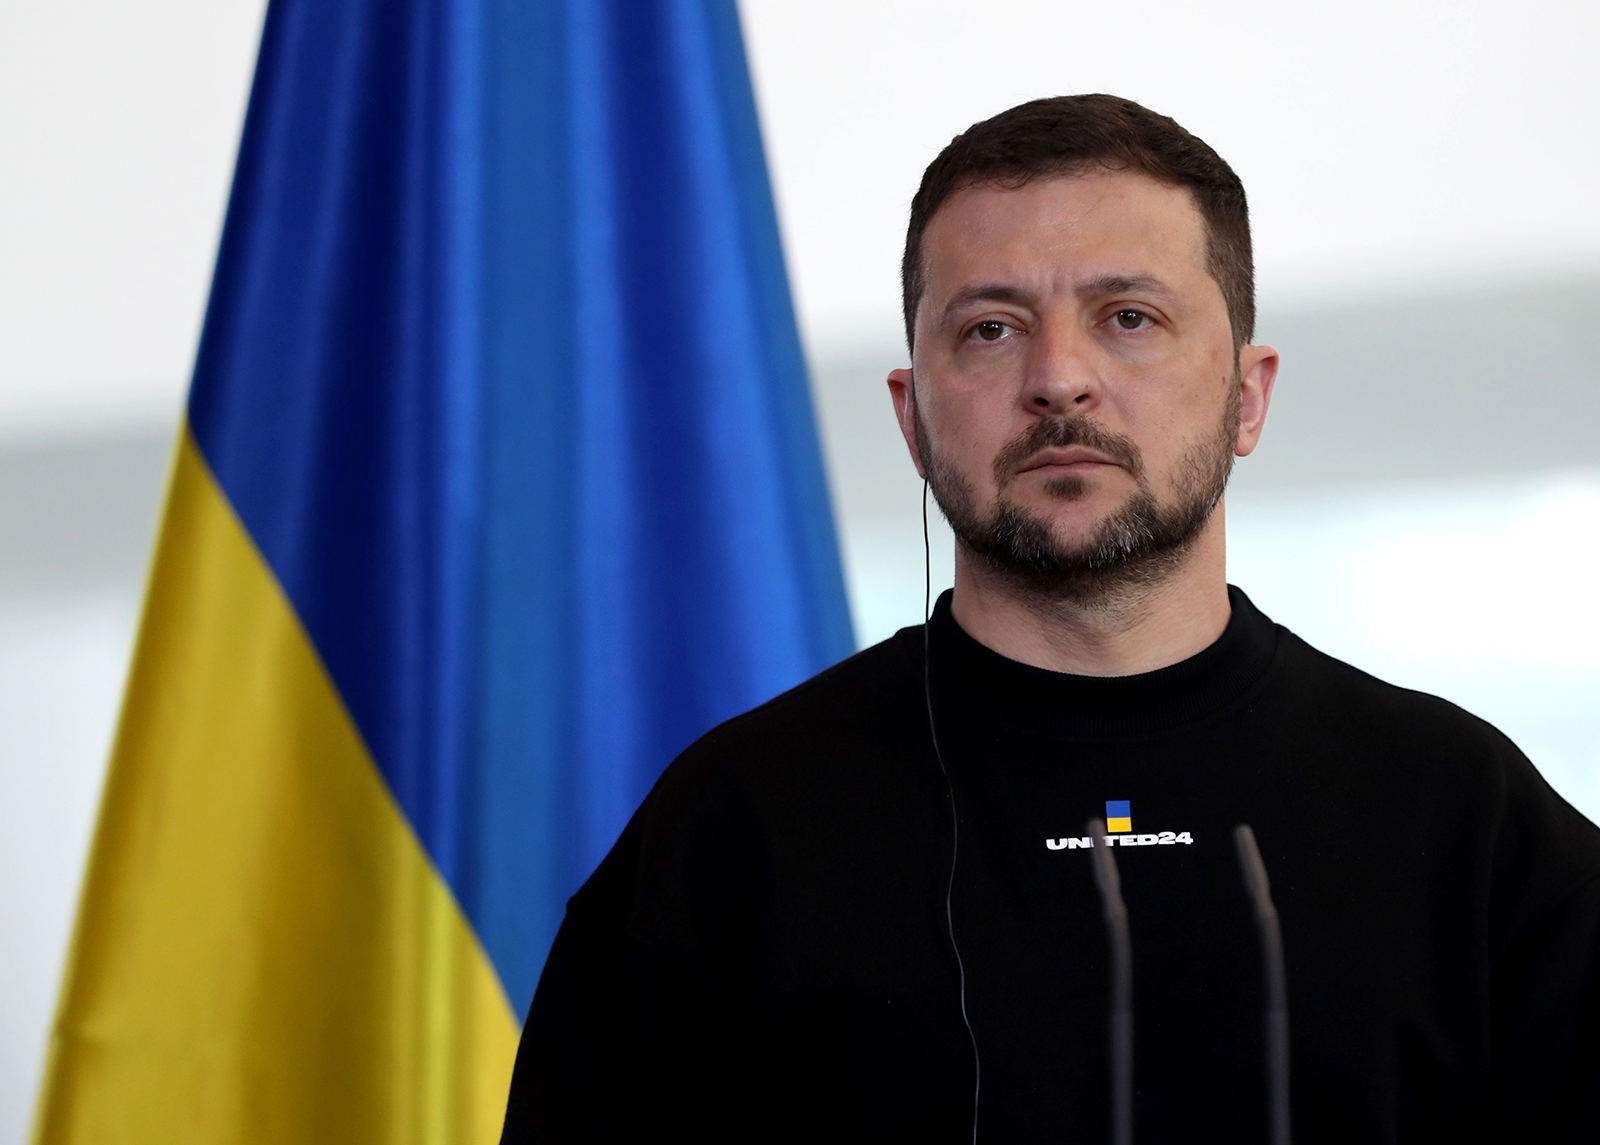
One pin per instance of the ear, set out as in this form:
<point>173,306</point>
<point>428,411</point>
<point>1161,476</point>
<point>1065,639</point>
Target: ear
<point>1258,373</point>
<point>902,388</point>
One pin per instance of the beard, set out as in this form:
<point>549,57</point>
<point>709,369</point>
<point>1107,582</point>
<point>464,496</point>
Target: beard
<point>1140,543</point>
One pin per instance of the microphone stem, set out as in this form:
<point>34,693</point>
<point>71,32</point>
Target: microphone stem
<point>1277,990</point>
<point>1121,1026</point>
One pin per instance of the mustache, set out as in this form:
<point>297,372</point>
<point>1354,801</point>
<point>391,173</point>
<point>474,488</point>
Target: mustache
<point>1060,432</point>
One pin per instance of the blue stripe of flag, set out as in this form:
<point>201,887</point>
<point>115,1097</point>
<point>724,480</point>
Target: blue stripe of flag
<point>501,373</point>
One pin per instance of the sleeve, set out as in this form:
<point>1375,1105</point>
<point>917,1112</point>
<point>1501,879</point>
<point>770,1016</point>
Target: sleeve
<point>633,1030</point>
<point>592,1065</point>
<point>1545,1000</point>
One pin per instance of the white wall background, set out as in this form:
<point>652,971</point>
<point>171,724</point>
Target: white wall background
<point>1386,144</point>
<point>1426,503</point>
<point>118,126</point>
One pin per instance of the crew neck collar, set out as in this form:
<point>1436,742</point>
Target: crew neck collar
<point>973,676</point>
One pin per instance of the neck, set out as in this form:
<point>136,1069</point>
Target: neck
<point>1133,628</point>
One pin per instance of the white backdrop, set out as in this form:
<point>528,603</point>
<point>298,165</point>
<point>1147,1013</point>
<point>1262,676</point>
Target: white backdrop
<point>1385,144</point>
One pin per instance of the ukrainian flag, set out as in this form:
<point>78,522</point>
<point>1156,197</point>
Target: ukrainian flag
<point>498,485</point>
<point>1119,816</point>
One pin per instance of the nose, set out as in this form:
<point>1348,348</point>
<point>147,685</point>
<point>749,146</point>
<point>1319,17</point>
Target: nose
<point>1063,371</point>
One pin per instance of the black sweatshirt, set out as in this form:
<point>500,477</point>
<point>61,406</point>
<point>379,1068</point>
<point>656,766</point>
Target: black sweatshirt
<point>764,955</point>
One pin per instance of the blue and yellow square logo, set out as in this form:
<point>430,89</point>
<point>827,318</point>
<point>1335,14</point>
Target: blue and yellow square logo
<point>1119,815</point>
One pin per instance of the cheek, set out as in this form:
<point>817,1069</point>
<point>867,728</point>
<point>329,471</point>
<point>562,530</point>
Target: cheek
<point>1167,415</point>
<point>978,424</point>
<point>965,439</point>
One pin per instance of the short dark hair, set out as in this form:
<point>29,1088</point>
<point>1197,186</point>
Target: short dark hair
<point>1068,134</point>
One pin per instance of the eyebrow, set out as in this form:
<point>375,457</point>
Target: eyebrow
<point>1107,284</point>
<point>988,292</point>
<point>1099,287</point>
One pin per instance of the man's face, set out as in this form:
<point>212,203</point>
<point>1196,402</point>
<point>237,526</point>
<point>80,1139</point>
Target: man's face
<point>1074,400</point>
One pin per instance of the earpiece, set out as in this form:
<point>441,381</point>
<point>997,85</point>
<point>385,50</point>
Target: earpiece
<point>950,792</point>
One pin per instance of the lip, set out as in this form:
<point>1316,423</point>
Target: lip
<point>1069,457</point>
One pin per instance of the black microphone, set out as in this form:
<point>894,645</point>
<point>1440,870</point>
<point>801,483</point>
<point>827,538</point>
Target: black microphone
<point>1277,1009</point>
<point>1121,1033</point>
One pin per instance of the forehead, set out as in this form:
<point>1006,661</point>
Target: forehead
<point>1095,223</point>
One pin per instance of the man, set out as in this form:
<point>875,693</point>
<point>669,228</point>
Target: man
<point>790,942</point>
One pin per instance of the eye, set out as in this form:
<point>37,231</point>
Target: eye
<point>1130,319</point>
<point>991,330</point>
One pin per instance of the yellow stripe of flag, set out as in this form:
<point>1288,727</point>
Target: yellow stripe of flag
<point>263,951</point>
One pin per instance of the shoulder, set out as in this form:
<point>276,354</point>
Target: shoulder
<point>829,732</point>
<point>1451,765</point>
<point>1339,694</point>
<point>799,773</point>
<point>854,697</point>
